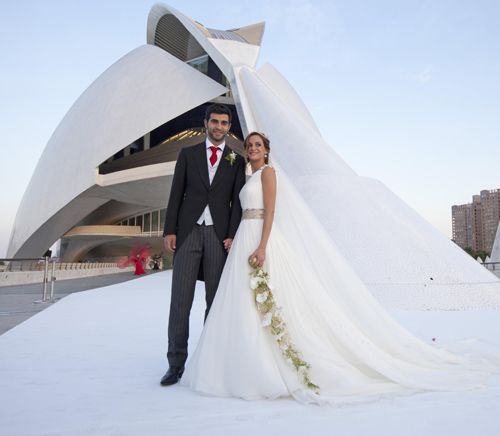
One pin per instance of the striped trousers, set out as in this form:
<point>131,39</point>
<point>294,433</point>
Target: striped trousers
<point>201,245</point>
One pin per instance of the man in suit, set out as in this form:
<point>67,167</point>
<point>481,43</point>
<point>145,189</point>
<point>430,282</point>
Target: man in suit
<point>203,215</point>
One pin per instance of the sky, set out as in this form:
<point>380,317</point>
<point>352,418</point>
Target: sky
<point>406,91</point>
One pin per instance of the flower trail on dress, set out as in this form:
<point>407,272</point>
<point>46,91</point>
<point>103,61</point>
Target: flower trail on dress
<point>272,318</point>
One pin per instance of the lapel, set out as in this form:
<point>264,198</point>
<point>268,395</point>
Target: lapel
<point>222,168</point>
<point>201,161</point>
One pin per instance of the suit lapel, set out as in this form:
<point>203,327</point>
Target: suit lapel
<point>223,166</point>
<point>201,161</point>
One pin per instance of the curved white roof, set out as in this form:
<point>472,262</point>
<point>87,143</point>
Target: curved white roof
<point>226,53</point>
<point>141,91</point>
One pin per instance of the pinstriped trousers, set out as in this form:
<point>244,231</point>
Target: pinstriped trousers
<point>201,245</point>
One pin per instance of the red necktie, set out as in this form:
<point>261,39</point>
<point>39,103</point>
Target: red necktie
<point>213,158</point>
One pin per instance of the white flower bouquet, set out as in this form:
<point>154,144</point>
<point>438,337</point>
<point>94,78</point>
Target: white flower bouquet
<point>272,318</point>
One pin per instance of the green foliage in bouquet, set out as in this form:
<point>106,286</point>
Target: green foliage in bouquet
<point>272,318</point>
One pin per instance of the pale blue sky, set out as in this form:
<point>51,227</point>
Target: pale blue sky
<point>406,91</point>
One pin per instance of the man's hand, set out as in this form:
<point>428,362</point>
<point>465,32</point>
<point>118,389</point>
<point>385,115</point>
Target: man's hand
<point>169,242</point>
<point>227,244</point>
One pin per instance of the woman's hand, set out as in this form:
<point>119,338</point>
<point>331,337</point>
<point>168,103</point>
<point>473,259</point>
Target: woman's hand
<point>258,257</point>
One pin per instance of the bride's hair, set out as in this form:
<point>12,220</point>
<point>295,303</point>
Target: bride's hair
<point>265,141</point>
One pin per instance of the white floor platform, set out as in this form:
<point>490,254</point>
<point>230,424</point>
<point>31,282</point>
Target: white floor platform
<point>91,365</point>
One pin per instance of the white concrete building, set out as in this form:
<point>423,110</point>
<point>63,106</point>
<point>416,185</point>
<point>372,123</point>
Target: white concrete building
<point>110,162</point>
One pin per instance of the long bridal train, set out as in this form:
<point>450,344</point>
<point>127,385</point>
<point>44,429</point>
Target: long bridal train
<point>356,351</point>
<point>397,253</point>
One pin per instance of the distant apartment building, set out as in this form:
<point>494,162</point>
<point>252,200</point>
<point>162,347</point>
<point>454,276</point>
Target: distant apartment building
<point>475,224</point>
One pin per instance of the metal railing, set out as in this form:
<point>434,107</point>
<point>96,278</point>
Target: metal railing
<point>48,267</point>
<point>34,264</point>
<point>14,265</point>
<point>492,266</point>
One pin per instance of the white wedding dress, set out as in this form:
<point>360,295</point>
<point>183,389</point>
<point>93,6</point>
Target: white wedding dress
<point>356,351</point>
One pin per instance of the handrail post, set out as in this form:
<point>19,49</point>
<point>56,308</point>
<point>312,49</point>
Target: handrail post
<point>45,278</point>
<point>52,280</point>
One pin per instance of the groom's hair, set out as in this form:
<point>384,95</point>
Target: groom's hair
<point>218,108</point>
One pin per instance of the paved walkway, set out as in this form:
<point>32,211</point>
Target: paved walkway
<point>18,303</point>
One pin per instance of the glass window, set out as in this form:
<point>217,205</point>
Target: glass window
<point>137,146</point>
<point>201,64</point>
<point>138,221</point>
<point>226,83</point>
<point>163,214</point>
<point>154,220</point>
<point>131,221</point>
<point>147,222</point>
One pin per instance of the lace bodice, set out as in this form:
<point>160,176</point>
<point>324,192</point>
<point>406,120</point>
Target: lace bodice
<point>251,194</point>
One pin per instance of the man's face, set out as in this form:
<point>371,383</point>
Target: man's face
<point>217,127</point>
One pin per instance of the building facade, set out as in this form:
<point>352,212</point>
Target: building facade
<point>475,224</point>
<point>102,183</point>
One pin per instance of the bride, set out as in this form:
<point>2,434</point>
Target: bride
<point>347,347</point>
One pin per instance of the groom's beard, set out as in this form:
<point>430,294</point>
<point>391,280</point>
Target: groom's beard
<point>216,137</point>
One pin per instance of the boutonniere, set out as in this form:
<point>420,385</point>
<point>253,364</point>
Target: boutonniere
<point>231,158</point>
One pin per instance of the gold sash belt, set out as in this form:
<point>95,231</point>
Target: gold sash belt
<point>252,214</point>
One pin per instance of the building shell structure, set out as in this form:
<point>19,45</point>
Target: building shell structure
<point>113,155</point>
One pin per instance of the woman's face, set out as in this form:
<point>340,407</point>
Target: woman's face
<point>255,149</point>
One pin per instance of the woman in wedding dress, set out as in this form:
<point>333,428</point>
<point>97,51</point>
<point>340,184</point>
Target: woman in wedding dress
<point>352,348</point>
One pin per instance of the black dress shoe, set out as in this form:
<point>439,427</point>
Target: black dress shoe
<point>172,376</point>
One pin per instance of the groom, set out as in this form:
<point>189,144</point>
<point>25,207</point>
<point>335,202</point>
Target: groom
<point>203,214</point>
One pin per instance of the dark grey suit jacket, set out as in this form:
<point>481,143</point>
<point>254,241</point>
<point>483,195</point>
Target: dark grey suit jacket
<point>191,191</point>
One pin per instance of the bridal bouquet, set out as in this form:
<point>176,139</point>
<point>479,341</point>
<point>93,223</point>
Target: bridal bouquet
<point>272,318</point>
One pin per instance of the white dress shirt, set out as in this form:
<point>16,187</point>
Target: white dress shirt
<point>206,216</point>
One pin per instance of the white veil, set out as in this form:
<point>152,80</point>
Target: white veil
<point>391,248</point>
<point>391,349</point>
